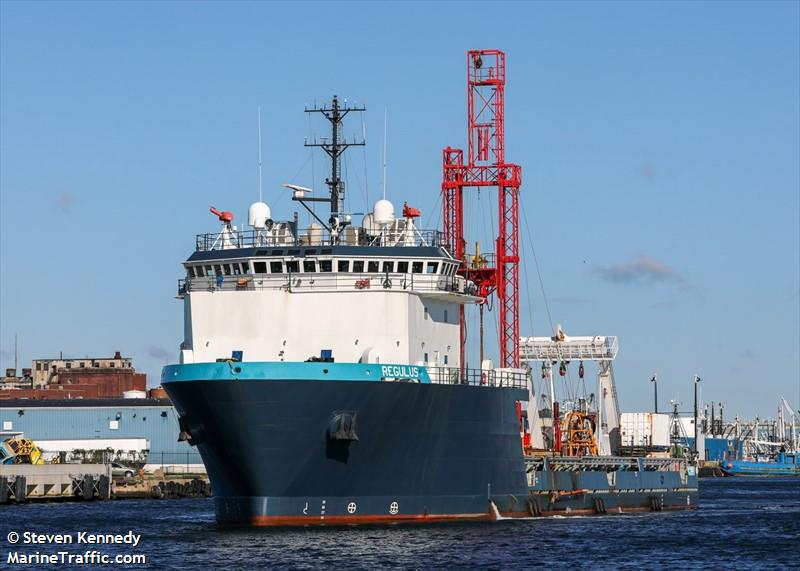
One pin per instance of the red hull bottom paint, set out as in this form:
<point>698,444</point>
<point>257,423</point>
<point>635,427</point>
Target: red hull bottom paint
<point>289,521</point>
<point>295,521</point>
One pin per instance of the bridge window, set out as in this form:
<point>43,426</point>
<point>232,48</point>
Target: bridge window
<point>326,266</point>
<point>198,271</point>
<point>372,266</point>
<point>237,269</point>
<point>261,267</point>
<point>433,267</point>
<point>416,267</point>
<point>209,271</point>
<point>190,271</point>
<point>227,269</point>
<point>343,265</point>
<point>388,267</point>
<point>402,267</point>
<point>217,271</point>
<point>294,252</point>
<point>309,266</point>
<point>358,266</point>
<point>293,267</point>
<point>276,267</point>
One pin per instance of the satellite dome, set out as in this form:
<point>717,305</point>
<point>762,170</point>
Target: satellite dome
<point>383,212</point>
<point>257,215</point>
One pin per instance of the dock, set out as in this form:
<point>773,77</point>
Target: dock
<point>20,483</point>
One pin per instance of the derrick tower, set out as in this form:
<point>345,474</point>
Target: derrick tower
<point>486,166</point>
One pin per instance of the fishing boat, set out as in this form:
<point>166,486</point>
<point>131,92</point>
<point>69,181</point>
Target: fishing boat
<point>781,464</point>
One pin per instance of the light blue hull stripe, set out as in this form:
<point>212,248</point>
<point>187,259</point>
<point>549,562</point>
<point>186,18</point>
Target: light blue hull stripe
<point>254,371</point>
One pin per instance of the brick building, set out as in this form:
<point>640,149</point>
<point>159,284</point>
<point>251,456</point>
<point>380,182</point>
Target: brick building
<point>88,378</point>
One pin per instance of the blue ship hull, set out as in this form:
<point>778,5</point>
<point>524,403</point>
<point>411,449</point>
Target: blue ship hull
<point>309,451</point>
<point>782,466</point>
<point>416,450</point>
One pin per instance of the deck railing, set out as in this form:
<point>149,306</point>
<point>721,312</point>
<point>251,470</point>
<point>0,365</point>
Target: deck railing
<point>322,282</point>
<point>351,236</point>
<point>479,377</point>
<point>604,464</point>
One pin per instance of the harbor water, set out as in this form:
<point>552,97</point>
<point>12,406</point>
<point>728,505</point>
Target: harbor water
<point>743,523</point>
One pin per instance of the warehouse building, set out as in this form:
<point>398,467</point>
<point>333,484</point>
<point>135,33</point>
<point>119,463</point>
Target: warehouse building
<point>134,430</point>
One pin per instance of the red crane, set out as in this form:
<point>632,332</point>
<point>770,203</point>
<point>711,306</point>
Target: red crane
<point>486,166</point>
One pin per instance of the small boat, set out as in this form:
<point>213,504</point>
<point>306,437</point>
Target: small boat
<point>782,464</point>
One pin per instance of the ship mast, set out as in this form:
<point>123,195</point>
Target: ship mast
<point>335,147</point>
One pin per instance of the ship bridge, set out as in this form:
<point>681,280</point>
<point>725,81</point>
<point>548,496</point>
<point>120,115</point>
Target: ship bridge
<point>416,262</point>
<point>379,292</point>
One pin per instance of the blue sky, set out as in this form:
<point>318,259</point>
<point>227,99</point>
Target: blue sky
<point>659,143</point>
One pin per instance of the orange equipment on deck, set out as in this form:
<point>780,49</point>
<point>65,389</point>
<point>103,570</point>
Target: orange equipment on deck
<point>579,430</point>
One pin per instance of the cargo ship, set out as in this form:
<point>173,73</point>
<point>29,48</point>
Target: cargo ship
<point>323,373</point>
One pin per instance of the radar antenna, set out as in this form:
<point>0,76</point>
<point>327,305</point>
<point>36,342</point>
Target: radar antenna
<point>335,147</point>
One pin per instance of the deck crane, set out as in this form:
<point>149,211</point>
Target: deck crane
<point>561,349</point>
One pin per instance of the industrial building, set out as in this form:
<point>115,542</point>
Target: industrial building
<point>128,429</point>
<point>88,377</point>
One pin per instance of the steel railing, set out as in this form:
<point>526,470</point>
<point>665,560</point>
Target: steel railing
<point>321,282</point>
<point>479,377</point>
<point>310,238</point>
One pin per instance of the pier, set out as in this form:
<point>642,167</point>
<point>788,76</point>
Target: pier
<point>20,483</point>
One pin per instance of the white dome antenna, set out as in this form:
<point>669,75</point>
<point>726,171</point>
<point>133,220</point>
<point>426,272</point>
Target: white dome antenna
<point>258,215</point>
<point>383,212</point>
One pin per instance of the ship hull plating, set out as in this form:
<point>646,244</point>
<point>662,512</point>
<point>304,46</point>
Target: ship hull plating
<point>285,453</point>
<point>327,452</point>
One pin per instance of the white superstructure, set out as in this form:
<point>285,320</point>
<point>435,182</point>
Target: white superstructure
<point>386,292</point>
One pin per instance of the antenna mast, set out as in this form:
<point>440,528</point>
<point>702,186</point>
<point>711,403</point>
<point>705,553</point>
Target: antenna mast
<point>385,137</point>
<point>335,147</point>
<point>260,178</point>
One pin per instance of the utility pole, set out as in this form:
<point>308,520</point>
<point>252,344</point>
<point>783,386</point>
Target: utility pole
<point>697,381</point>
<point>654,380</point>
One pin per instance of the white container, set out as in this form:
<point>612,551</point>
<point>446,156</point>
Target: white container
<point>644,430</point>
<point>134,395</point>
